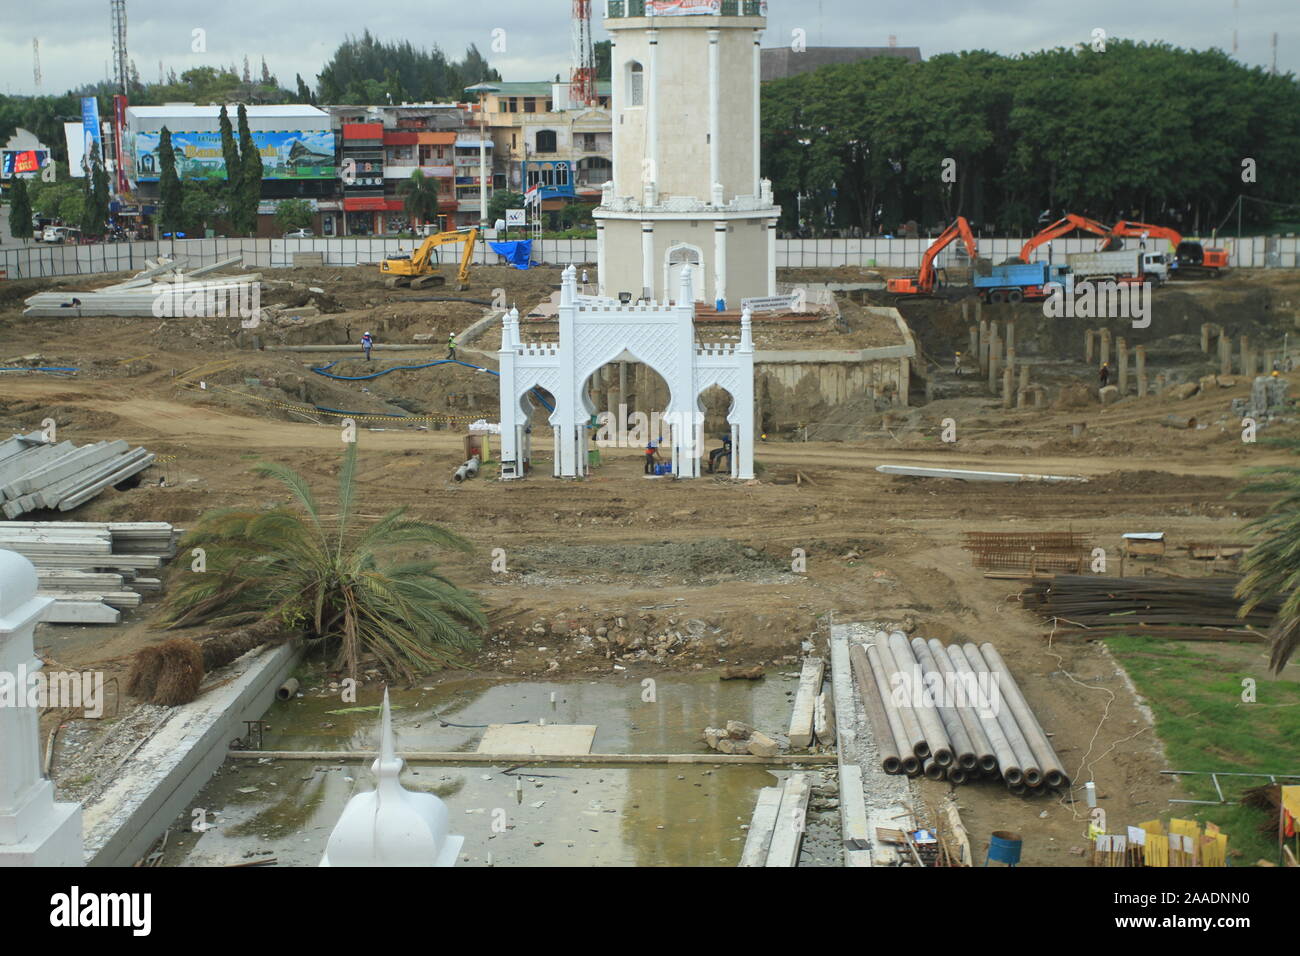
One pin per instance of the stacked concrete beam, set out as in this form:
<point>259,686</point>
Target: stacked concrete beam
<point>137,297</point>
<point>76,564</point>
<point>36,474</point>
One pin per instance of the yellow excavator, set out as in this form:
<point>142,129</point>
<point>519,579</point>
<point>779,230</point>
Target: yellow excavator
<point>420,269</point>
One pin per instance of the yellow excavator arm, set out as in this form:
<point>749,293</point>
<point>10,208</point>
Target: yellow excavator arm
<point>418,269</point>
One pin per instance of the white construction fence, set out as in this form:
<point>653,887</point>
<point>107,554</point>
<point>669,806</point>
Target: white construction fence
<point>35,260</point>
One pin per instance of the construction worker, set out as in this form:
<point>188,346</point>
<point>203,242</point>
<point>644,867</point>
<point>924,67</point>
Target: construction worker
<point>451,346</point>
<point>716,456</point>
<point>584,281</point>
<point>1104,375</point>
<point>651,456</point>
<point>367,342</point>
<point>956,364</point>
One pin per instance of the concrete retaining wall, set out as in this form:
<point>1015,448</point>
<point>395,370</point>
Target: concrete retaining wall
<point>165,774</point>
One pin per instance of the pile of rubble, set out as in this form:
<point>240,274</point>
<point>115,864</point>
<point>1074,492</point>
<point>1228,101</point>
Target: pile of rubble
<point>1267,399</point>
<point>740,738</point>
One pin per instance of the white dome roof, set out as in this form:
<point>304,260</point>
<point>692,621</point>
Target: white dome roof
<point>390,826</point>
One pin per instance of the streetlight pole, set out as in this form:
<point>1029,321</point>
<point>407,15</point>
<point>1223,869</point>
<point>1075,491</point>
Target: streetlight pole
<point>482,89</point>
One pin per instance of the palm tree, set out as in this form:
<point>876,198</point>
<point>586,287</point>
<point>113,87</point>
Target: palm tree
<point>421,193</point>
<point>1272,566</point>
<point>296,568</point>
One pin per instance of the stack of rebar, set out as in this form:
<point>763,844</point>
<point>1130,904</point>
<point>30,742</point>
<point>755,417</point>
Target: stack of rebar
<point>1159,605</point>
<point>1028,551</point>
<point>952,713</point>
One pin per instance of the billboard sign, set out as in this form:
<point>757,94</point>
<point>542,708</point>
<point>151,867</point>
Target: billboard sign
<point>90,126</point>
<point>22,162</point>
<point>74,135</point>
<point>516,217</point>
<point>286,154</point>
<point>683,8</point>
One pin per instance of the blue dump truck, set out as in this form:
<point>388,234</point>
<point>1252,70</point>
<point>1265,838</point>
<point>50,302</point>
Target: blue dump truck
<point>1020,281</point>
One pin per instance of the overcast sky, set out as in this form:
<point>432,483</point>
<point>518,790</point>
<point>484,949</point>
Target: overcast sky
<point>298,37</point>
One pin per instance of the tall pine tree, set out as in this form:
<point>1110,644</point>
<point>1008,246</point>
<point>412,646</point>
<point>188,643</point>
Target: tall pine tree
<point>250,174</point>
<point>20,210</point>
<point>170,192</point>
<point>230,153</point>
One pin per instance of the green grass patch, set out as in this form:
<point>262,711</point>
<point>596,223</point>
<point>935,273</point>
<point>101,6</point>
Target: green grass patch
<point>1195,692</point>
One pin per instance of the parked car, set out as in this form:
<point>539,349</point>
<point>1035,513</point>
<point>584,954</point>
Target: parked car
<point>300,234</point>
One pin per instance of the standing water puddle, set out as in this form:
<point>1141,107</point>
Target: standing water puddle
<point>679,815</point>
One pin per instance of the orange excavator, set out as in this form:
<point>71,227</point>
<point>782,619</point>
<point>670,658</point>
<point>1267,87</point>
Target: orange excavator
<point>1193,259</point>
<point>924,282</point>
<point>1066,225</point>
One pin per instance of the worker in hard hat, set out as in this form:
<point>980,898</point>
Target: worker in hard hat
<point>956,365</point>
<point>451,346</point>
<point>716,456</point>
<point>367,342</point>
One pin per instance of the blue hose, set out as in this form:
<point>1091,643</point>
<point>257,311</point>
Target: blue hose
<point>324,371</point>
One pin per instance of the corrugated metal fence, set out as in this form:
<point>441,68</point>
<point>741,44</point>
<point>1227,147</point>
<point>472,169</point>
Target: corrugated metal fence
<point>36,260</point>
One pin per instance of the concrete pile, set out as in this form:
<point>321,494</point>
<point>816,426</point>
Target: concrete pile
<point>163,290</point>
<point>952,713</point>
<point>740,738</point>
<point>92,569</point>
<point>36,474</point>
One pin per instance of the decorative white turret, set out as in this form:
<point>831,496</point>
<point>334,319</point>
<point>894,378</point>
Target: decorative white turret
<point>390,825</point>
<point>34,830</point>
<point>687,185</point>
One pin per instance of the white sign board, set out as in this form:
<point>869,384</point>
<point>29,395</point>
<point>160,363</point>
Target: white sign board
<point>775,303</point>
<point>516,217</point>
<point>76,139</point>
<point>683,8</point>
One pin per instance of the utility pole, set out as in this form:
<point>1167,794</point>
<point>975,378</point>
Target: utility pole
<point>482,89</point>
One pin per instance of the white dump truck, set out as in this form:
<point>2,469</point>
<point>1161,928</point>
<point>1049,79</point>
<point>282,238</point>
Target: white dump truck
<point>1126,265</point>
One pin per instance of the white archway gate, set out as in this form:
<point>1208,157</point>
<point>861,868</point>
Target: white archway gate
<point>597,331</point>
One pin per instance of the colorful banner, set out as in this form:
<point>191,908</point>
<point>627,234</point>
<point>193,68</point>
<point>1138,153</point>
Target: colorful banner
<point>90,127</point>
<point>22,162</point>
<point>683,8</point>
<point>286,154</point>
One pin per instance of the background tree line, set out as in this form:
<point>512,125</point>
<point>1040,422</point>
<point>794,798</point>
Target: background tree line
<point>1141,131</point>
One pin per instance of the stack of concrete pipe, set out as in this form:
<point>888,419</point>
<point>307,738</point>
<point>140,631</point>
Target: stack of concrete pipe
<point>952,713</point>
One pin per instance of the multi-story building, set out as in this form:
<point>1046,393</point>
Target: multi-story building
<point>295,142</point>
<point>543,139</point>
<point>387,144</point>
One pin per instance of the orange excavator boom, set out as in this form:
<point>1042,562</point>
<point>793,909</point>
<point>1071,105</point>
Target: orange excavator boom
<point>1064,226</point>
<point>923,284</point>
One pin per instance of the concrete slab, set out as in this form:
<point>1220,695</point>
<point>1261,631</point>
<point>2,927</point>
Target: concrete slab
<point>810,685</point>
<point>538,739</point>
<point>791,822</point>
<point>761,824</point>
<point>914,472</point>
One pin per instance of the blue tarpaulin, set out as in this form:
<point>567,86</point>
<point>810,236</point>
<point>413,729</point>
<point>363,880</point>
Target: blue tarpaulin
<point>519,254</point>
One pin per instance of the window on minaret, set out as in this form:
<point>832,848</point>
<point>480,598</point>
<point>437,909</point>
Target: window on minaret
<point>636,85</point>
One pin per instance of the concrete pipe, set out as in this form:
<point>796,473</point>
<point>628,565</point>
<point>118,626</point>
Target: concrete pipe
<point>932,770</point>
<point>936,738</point>
<point>1054,774</point>
<point>962,749</point>
<point>880,677</point>
<point>956,774</point>
<point>984,757</point>
<point>288,690</point>
<point>882,732</point>
<point>467,470</point>
<point>913,735</point>
<point>1007,763</point>
<point>1018,789</point>
<point>1029,769</point>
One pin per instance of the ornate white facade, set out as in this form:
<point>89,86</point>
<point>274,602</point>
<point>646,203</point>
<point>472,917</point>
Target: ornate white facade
<point>597,331</point>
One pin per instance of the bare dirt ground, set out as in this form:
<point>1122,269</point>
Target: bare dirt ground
<point>642,574</point>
